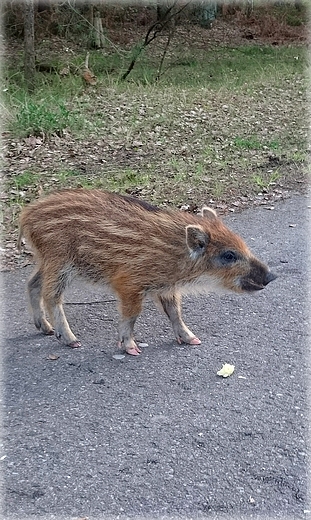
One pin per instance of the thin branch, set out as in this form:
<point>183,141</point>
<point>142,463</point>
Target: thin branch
<point>156,28</point>
<point>163,56</point>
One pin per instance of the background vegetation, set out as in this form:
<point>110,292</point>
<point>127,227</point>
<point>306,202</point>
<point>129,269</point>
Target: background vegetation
<point>213,111</point>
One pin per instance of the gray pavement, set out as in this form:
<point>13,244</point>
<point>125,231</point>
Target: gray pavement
<point>161,436</point>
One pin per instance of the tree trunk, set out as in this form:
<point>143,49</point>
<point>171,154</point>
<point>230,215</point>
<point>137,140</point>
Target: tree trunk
<point>298,5</point>
<point>206,12</point>
<point>98,30</point>
<point>29,45</point>
<point>91,14</point>
<point>162,8</point>
<point>249,8</point>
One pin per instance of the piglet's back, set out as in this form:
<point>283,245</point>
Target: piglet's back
<point>106,227</point>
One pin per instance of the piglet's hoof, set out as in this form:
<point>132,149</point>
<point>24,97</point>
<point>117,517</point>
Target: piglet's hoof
<point>195,341</point>
<point>192,341</point>
<point>74,344</point>
<point>134,351</point>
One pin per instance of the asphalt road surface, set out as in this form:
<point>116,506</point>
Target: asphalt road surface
<point>161,436</point>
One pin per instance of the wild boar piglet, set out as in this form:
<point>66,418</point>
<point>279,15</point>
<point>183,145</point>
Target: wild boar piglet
<point>136,249</point>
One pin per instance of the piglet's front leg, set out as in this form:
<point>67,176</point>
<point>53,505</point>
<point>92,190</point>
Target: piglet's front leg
<point>130,306</point>
<point>171,305</point>
<point>126,336</point>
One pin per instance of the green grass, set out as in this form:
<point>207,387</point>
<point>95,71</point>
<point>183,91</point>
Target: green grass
<point>27,178</point>
<point>231,68</point>
<point>253,143</point>
<point>263,182</point>
<point>42,119</point>
<point>204,131</point>
<point>49,110</point>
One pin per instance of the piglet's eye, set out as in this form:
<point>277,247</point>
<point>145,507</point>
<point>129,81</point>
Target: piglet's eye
<point>229,257</point>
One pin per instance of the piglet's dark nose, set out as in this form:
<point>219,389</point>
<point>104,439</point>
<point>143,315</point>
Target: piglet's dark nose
<point>270,277</point>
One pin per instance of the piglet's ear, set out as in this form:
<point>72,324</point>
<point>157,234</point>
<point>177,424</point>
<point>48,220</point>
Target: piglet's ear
<point>208,213</point>
<point>197,241</point>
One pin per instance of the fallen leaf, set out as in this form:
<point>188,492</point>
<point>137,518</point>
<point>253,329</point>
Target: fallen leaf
<point>226,370</point>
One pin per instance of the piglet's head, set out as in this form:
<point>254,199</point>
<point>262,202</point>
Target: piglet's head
<point>225,256</point>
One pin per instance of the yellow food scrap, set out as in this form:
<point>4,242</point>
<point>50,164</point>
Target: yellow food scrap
<point>226,370</point>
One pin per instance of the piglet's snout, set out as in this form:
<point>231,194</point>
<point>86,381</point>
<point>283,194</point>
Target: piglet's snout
<point>257,278</point>
<point>269,278</point>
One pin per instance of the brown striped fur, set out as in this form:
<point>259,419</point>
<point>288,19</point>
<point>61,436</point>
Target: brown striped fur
<point>135,248</point>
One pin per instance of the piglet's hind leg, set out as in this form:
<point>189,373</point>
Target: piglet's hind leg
<point>52,295</point>
<point>36,302</point>
<point>62,329</point>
